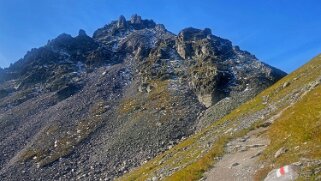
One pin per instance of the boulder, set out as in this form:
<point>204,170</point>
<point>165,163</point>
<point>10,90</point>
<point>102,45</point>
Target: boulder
<point>285,173</point>
<point>280,152</point>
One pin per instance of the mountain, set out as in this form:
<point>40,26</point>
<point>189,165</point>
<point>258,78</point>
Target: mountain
<point>279,128</point>
<point>92,108</point>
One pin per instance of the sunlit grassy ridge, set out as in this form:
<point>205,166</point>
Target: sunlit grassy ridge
<point>193,156</point>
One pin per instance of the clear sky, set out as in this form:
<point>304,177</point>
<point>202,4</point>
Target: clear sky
<point>283,33</point>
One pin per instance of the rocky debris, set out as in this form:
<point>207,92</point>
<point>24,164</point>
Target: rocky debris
<point>305,166</point>
<point>95,107</point>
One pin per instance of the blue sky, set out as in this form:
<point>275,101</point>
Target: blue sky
<point>283,33</point>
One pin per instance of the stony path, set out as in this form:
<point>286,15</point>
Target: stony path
<point>240,162</point>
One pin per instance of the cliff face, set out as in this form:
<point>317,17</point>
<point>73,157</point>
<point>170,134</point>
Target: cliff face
<point>97,106</point>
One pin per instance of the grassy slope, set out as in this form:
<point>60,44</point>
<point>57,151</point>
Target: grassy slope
<point>193,156</point>
<point>299,131</point>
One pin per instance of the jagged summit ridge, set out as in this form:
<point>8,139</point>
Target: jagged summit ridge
<point>102,105</point>
<point>122,25</point>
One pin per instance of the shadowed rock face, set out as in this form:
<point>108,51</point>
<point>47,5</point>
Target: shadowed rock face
<point>93,107</point>
<point>2,74</point>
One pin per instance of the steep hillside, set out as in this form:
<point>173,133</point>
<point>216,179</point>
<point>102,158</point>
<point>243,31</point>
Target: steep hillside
<point>286,114</point>
<point>94,107</point>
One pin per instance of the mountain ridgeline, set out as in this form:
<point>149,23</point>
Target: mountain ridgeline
<point>94,107</point>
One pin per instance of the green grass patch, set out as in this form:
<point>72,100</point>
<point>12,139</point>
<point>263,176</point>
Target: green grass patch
<point>298,130</point>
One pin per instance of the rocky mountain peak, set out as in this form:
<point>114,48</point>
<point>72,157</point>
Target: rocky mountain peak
<point>82,33</point>
<point>136,22</point>
<point>122,23</point>
<point>123,27</point>
<point>135,19</point>
<point>72,97</point>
